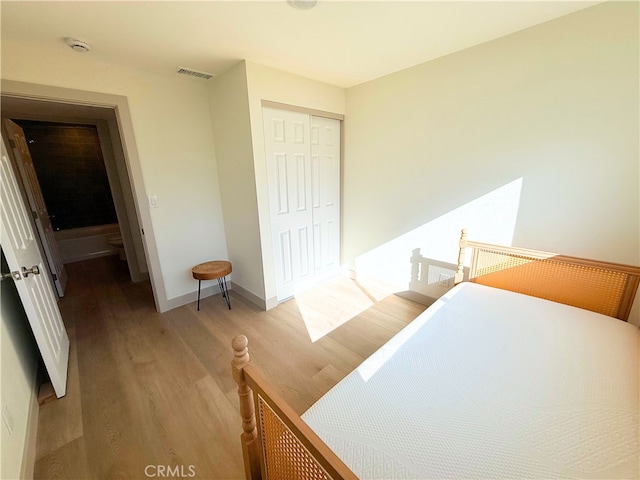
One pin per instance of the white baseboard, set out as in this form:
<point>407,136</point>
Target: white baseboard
<point>29,453</point>
<point>271,303</point>
<point>214,289</point>
<point>256,300</point>
<point>191,297</point>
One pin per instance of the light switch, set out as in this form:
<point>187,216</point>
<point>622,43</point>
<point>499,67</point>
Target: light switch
<point>153,201</point>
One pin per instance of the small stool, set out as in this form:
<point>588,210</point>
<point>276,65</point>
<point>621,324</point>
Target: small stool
<point>217,270</point>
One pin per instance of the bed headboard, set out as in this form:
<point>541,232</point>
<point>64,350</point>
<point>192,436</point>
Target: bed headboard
<point>603,287</point>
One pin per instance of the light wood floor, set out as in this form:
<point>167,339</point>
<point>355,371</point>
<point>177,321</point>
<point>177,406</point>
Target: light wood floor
<point>155,389</point>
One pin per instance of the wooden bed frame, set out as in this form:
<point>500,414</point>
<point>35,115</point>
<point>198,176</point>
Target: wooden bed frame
<point>278,444</point>
<point>603,287</point>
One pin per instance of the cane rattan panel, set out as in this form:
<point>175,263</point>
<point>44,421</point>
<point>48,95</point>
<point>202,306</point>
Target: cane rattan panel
<point>285,457</point>
<point>592,288</point>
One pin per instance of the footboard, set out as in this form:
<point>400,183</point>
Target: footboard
<point>602,287</point>
<point>276,443</point>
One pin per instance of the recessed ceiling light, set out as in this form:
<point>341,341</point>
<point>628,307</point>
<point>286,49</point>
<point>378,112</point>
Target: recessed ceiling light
<point>302,4</point>
<point>78,45</point>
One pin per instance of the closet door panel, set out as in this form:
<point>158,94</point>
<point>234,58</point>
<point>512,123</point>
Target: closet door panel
<point>288,147</point>
<point>303,170</point>
<point>325,161</point>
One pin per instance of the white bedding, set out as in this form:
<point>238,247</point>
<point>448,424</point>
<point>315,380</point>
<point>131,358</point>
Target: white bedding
<point>491,384</point>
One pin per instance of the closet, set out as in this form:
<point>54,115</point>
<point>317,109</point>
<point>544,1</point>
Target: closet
<point>303,171</point>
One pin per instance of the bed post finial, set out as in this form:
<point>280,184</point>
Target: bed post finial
<point>240,345</point>
<point>463,245</point>
<point>249,435</point>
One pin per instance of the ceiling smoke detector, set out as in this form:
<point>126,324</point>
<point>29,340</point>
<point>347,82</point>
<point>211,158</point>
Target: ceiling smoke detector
<point>302,4</point>
<point>78,45</point>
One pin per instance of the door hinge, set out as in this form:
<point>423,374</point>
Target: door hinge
<point>55,277</point>
<point>12,143</point>
<point>142,230</point>
<point>35,214</point>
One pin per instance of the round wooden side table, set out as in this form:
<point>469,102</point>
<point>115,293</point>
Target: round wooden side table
<point>216,270</point>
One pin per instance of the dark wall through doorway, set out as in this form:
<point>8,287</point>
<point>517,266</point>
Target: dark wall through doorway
<point>71,172</point>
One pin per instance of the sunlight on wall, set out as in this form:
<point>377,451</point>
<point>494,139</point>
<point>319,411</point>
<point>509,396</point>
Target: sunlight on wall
<point>413,261</point>
<point>419,260</point>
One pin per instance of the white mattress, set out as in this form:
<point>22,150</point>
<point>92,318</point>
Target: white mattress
<point>491,384</point>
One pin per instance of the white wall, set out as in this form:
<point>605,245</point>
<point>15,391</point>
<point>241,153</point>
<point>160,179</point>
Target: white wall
<point>532,139</point>
<point>173,134</point>
<point>19,361</point>
<point>234,154</point>
<point>265,83</point>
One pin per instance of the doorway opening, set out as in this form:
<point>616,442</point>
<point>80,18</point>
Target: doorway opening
<point>82,232</point>
<point>71,174</point>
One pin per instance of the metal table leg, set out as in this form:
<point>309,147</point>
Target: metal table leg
<point>199,282</point>
<point>222,283</point>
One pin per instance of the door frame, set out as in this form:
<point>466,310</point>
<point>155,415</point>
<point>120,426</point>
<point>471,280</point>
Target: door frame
<point>119,107</point>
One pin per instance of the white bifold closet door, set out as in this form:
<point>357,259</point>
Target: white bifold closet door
<point>303,170</point>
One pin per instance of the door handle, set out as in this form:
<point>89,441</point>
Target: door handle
<point>28,271</point>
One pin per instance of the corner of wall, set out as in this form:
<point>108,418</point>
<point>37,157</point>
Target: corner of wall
<point>229,105</point>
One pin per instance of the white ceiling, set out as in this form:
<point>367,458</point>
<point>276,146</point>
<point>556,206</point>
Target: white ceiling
<point>343,43</point>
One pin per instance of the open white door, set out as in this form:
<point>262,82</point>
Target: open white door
<point>18,144</point>
<point>28,270</point>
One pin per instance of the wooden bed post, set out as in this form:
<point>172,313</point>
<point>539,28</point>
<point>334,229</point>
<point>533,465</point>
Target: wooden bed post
<point>463,245</point>
<point>249,437</point>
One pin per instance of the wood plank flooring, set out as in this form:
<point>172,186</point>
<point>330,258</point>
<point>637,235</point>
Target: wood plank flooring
<point>149,390</point>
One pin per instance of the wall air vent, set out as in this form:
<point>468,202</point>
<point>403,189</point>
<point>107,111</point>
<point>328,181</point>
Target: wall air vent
<point>194,73</point>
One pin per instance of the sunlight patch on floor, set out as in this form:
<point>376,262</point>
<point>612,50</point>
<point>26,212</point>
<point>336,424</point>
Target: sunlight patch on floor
<point>332,304</point>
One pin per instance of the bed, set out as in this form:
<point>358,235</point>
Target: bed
<point>527,369</point>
